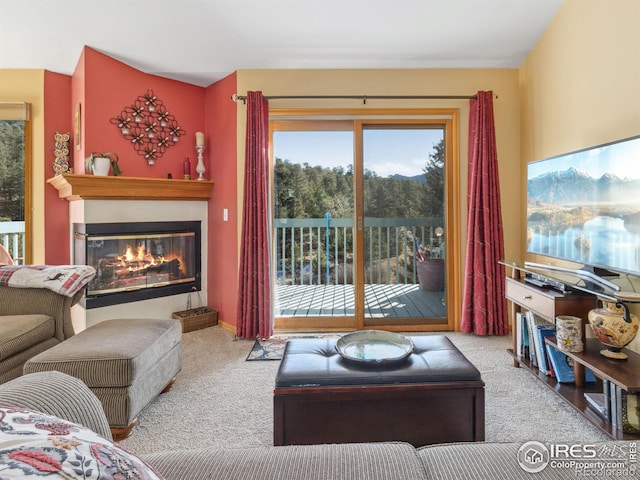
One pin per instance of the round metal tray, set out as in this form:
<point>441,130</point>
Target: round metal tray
<point>374,347</point>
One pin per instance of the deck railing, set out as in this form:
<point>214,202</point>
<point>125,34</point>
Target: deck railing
<point>319,251</point>
<point>12,238</point>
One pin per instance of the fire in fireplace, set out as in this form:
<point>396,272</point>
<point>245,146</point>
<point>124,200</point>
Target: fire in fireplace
<point>138,261</point>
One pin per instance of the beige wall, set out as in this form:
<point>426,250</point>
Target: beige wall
<point>28,86</point>
<point>503,82</point>
<point>580,85</point>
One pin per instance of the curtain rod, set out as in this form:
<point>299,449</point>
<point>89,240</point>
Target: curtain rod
<point>243,98</point>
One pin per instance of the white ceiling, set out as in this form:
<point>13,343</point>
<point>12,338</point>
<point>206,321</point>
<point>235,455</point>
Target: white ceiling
<point>201,41</point>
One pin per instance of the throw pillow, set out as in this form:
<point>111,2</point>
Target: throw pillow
<point>33,445</point>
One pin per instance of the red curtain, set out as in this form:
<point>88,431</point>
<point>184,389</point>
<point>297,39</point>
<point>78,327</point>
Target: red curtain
<point>484,308</point>
<point>254,292</point>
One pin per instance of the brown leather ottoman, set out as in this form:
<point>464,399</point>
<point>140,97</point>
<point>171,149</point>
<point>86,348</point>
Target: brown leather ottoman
<point>434,396</point>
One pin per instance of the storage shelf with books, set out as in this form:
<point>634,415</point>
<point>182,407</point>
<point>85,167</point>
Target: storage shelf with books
<point>574,396</point>
<point>616,378</point>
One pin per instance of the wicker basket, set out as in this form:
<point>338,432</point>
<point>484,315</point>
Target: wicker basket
<point>196,318</point>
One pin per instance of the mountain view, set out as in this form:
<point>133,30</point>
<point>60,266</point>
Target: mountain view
<point>574,216</point>
<point>574,187</point>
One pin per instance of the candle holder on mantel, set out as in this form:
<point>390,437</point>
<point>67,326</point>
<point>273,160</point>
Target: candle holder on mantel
<point>200,168</point>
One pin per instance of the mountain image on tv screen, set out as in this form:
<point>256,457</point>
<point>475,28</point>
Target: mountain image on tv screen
<point>585,206</point>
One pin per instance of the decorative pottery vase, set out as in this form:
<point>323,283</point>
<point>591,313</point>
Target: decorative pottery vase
<point>614,325</point>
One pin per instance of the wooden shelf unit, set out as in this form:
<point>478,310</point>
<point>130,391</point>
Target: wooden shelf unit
<point>624,373</point>
<point>546,302</point>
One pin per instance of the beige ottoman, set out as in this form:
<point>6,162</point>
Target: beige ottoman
<point>126,362</point>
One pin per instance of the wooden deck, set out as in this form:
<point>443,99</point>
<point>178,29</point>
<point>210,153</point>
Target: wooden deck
<point>381,301</point>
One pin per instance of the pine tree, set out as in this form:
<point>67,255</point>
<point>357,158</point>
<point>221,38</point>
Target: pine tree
<point>434,175</point>
<point>11,170</point>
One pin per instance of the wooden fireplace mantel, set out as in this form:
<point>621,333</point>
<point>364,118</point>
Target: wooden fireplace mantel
<point>73,187</point>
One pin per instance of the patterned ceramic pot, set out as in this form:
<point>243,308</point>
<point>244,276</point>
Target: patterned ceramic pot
<point>614,326</point>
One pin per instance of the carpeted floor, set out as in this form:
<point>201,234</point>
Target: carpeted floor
<point>221,400</point>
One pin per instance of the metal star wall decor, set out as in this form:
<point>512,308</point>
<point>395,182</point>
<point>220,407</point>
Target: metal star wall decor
<point>148,126</point>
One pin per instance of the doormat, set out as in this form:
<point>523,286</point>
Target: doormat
<point>273,348</point>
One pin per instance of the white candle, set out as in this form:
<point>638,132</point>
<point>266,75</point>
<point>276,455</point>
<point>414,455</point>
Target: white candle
<point>199,139</point>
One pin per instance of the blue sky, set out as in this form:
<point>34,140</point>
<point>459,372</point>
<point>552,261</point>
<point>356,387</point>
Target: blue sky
<point>386,152</point>
<point>621,158</point>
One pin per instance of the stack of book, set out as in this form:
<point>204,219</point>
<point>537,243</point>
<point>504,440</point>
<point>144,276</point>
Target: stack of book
<point>531,330</point>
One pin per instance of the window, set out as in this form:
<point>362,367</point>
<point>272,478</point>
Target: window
<point>15,179</point>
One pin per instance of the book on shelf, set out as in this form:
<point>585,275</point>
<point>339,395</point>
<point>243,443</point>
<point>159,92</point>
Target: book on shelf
<point>598,402</point>
<point>528,319</point>
<point>615,404</point>
<point>525,336</point>
<point>551,373</point>
<point>607,398</point>
<point>539,328</point>
<point>519,339</point>
<point>543,331</point>
<point>563,366</point>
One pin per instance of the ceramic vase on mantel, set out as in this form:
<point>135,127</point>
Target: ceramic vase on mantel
<point>614,325</point>
<point>101,166</point>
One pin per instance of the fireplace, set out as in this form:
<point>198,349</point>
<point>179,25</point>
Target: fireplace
<point>139,260</point>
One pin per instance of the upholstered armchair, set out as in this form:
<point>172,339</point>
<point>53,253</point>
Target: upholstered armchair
<point>31,321</point>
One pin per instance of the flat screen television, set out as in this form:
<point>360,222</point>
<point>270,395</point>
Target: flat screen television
<point>584,207</point>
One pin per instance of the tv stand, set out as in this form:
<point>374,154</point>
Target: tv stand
<point>549,303</point>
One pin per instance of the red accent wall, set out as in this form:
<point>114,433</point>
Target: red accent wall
<point>77,105</point>
<point>103,86</point>
<point>57,115</point>
<point>108,86</point>
<point>221,133</point>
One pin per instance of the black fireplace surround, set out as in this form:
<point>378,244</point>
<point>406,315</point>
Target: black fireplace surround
<point>139,260</point>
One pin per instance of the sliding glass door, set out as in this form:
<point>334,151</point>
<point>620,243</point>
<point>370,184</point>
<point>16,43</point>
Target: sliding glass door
<point>360,224</point>
<point>403,244</point>
<point>313,191</point>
